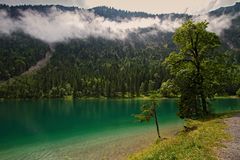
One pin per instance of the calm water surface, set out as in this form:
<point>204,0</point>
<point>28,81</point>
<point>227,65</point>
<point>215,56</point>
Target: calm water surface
<point>27,125</point>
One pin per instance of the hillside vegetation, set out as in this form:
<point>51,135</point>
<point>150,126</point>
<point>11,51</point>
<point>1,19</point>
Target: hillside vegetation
<point>96,67</point>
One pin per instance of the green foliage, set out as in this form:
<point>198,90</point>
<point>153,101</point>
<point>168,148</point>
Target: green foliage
<point>238,92</point>
<point>168,89</point>
<point>232,78</point>
<point>20,87</point>
<point>96,67</point>
<point>61,91</point>
<point>197,70</point>
<point>18,52</point>
<point>148,112</point>
<point>99,67</point>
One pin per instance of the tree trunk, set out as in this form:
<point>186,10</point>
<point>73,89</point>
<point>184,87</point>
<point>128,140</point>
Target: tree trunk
<point>156,122</point>
<point>203,98</point>
<point>204,104</point>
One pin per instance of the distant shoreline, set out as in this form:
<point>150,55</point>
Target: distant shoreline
<point>112,98</point>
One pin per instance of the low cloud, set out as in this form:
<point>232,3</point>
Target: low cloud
<point>7,25</point>
<point>217,24</point>
<point>57,26</point>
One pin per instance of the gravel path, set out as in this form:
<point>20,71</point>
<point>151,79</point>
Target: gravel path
<point>231,151</point>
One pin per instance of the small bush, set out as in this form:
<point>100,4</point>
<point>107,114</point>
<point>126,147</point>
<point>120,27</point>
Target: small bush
<point>238,92</point>
<point>168,89</point>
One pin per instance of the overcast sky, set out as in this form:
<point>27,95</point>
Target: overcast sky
<point>150,6</point>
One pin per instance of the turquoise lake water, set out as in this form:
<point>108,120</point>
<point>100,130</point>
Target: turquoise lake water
<point>29,129</point>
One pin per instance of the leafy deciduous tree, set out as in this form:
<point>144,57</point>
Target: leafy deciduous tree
<point>195,69</point>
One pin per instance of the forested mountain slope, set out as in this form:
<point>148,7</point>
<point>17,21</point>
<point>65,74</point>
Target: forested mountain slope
<point>94,64</point>
<point>19,52</point>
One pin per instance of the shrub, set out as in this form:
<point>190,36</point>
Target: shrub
<point>238,92</point>
<point>168,89</point>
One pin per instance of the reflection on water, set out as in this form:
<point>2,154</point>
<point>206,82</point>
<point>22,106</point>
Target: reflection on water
<point>46,120</point>
<point>222,105</point>
<point>30,122</point>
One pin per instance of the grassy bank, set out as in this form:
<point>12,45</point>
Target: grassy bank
<point>197,144</point>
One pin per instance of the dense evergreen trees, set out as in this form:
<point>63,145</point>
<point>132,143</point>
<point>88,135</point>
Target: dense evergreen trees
<point>99,67</point>
<point>17,53</point>
<point>95,67</point>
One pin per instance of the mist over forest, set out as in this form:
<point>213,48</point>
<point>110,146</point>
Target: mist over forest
<point>85,45</point>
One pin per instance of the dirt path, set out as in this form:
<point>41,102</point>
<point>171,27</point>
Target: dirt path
<point>40,64</point>
<point>231,151</point>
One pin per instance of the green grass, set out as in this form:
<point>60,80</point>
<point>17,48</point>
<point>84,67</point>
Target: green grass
<point>198,144</point>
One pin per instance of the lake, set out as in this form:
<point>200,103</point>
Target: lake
<point>83,129</point>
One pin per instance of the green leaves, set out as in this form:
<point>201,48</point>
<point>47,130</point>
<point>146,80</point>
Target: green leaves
<point>194,70</point>
<point>194,40</point>
<point>169,89</point>
<point>18,52</point>
<point>238,92</point>
<point>146,113</point>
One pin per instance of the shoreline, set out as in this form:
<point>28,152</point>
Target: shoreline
<point>113,98</point>
<point>114,146</point>
<point>206,140</point>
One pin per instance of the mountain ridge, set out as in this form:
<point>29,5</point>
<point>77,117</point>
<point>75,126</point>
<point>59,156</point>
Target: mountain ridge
<point>95,66</point>
<point>227,9</point>
<point>235,7</point>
